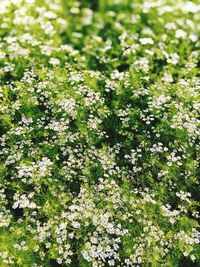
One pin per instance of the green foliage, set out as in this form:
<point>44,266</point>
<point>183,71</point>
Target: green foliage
<point>99,133</point>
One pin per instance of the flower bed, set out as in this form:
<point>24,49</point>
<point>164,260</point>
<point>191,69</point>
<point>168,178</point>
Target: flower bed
<point>99,133</point>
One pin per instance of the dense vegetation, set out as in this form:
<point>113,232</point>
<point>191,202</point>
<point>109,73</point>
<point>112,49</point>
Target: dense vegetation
<point>99,133</point>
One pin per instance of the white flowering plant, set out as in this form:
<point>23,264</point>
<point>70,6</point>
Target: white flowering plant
<point>99,133</point>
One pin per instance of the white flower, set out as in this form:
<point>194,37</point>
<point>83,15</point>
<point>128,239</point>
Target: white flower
<point>54,61</point>
<point>145,41</point>
<point>167,78</point>
<point>173,59</point>
<point>193,258</point>
<point>189,6</point>
<point>180,34</point>
<point>2,55</point>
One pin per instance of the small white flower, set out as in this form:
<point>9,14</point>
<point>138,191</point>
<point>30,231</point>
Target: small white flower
<point>54,61</point>
<point>193,258</point>
<point>167,78</point>
<point>180,34</point>
<point>145,41</point>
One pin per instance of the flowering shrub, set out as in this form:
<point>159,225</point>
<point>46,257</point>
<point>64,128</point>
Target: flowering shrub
<point>99,133</point>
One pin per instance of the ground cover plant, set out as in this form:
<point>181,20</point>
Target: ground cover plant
<point>99,133</point>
